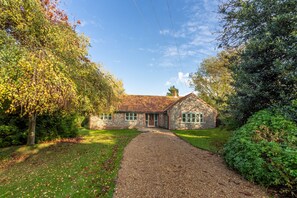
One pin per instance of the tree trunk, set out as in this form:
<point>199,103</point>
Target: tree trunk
<point>31,132</point>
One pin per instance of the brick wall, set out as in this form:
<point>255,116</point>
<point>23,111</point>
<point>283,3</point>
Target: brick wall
<point>118,122</point>
<point>162,120</point>
<point>191,105</point>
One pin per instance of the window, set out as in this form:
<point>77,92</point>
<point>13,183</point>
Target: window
<point>201,117</point>
<point>105,116</point>
<point>131,116</point>
<point>192,117</point>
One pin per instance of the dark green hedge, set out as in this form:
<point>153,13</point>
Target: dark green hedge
<point>264,150</point>
<point>13,129</point>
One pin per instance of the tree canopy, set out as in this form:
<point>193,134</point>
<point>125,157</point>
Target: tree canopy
<point>266,73</point>
<point>45,66</point>
<point>213,79</point>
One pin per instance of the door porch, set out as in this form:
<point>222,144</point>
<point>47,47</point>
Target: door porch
<point>151,119</point>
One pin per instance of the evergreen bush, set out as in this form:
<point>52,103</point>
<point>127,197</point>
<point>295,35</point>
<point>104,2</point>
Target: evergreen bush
<point>264,150</point>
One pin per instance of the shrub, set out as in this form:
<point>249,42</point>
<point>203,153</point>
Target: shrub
<point>55,126</point>
<point>264,150</point>
<point>10,135</point>
<point>13,129</point>
<point>289,111</point>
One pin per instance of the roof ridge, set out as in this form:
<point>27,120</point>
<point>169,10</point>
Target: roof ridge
<point>144,95</point>
<point>153,96</point>
<point>146,103</point>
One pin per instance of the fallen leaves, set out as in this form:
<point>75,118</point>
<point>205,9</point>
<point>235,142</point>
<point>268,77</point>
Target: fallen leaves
<point>73,167</point>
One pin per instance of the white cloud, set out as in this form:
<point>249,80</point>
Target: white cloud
<point>182,79</point>
<point>168,83</point>
<point>176,34</point>
<point>190,42</point>
<point>148,50</point>
<point>164,32</point>
<point>196,37</point>
<point>170,51</point>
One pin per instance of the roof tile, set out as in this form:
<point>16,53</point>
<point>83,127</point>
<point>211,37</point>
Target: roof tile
<point>142,103</point>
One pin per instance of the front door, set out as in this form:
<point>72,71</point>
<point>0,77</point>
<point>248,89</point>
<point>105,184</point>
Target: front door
<point>151,120</point>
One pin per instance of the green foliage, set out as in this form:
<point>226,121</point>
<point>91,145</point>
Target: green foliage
<point>85,167</point>
<point>13,128</point>
<point>10,135</point>
<point>208,139</point>
<point>44,65</point>
<point>213,79</point>
<point>55,126</point>
<point>289,111</point>
<point>265,151</point>
<point>172,91</point>
<point>266,73</point>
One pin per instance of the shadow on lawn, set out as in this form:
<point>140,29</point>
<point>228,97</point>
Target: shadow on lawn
<point>95,159</point>
<point>95,163</point>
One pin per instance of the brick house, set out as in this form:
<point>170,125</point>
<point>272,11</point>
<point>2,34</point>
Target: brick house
<point>187,112</point>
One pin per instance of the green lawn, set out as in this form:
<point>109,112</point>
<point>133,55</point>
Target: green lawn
<point>79,168</point>
<point>208,139</point>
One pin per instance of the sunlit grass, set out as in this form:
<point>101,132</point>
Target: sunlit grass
<point>84,168</point>
<point>208,139</point>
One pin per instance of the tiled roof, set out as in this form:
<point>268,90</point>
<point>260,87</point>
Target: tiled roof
<point>141,103</point>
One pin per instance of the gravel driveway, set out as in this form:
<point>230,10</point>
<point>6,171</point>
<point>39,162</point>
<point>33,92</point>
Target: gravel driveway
<point>159,164</point>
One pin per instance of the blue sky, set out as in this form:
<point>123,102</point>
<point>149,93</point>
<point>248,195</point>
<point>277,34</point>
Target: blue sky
<point>148,44</point>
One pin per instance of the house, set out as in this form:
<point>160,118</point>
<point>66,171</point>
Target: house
<point>170,112</point>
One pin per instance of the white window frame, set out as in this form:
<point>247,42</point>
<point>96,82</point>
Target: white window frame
<point>105,116</point>
<point>189,117</point>
<point>131,116</point>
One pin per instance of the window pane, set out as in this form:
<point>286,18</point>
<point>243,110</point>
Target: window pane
<point>193,118</point>
<point>188,118</point>
<point>184,117</point>
<point>109,117</point>
<point>201,117</point>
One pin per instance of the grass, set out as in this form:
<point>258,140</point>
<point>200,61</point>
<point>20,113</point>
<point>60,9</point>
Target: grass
<point>208,139</point>
<point>82,167</point>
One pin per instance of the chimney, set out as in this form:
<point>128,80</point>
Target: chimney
<point>174,93</point>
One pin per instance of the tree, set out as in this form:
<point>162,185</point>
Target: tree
<point>266,73</point>
<point>172,91</point>
<point>213,79</point>
<point>44,64</point>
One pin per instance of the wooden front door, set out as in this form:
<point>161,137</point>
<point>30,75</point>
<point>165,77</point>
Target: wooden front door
<point>151,120</point>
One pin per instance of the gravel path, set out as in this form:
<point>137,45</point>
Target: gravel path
<point>159,164</point>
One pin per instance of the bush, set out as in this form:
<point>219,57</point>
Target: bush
<point>13,129</point>
<point>264,150</point>
<point>55,126</point>
<point>10,135</point>
<point>289,111</point>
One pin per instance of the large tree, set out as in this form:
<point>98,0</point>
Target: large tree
<point>266,74</point>
<point>213,79</point>
<point>44,66</point>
